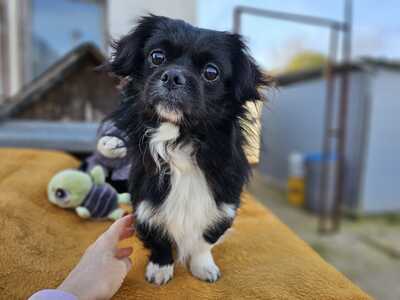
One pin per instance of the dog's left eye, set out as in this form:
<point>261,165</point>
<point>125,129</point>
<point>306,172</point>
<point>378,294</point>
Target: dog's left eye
<point>210,72</point>
<point>157,57</point>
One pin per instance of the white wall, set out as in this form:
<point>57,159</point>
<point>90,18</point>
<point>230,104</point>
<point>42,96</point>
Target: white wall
<point>381,182</point>
<point>293,120</point>
<point>122,14</point>
<point>13,9</point>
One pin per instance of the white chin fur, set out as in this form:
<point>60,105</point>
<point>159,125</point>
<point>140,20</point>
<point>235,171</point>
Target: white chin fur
<point>159,274</point>
<point>173,116</point>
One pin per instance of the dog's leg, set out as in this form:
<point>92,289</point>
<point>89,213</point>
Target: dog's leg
<point>160,268</point>
<point>202,263</point>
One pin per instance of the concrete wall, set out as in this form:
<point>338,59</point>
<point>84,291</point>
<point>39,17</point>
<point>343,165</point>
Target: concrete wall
<point>122,14</point>
<point>293,120</point>
<point>381,176</point>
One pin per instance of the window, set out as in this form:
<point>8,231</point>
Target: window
<point>57,27</point>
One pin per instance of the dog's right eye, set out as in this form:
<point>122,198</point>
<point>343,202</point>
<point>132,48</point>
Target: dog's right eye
<point>157,57</point>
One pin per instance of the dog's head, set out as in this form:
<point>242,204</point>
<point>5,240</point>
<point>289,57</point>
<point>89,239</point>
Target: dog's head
<point>186,75</point>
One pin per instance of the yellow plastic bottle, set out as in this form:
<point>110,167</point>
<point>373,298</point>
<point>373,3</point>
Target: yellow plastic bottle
<point>296,185</point>
<point>296,191</point>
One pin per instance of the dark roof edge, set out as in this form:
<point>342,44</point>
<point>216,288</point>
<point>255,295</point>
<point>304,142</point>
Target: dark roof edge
<point>295,77</point>
<point>48,79</point>
<point>316,73</point>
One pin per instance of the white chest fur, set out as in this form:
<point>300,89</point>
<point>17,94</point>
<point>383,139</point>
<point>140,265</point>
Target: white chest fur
<point>189,208</point>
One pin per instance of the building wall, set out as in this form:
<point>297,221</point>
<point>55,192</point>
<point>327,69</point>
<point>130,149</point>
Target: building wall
<point>380,185</point>
<point>358,108</point>
<point>14,8</point>
<point>3,50</point>
<point>122,14</point>
<point>293,120</point>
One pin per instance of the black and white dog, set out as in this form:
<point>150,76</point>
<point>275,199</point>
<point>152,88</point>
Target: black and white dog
<point>184,115</point>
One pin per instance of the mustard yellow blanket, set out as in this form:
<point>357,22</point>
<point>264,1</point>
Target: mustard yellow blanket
<point>40,243</point>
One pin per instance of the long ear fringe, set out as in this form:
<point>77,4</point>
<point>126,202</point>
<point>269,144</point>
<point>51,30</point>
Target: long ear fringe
<point>107,65</point>
<point>126,54</point>
<point>253,84</point>
<point>250,79</point>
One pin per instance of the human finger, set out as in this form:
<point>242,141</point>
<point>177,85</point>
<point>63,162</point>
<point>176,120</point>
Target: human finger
<point>112,235</point>
<point>123,252</point>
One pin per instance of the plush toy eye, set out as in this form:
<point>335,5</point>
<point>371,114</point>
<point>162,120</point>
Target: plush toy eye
<point>210,72</point>
<point>157,57</point>
<point>60,193</point>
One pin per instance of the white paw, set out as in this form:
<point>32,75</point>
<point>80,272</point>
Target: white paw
<point>203,267</point>
<point>111,147</point>
<point>159,274</point>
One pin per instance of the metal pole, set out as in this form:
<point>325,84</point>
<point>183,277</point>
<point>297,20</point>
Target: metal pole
<point>329,131</point>
<point>343,109</point>
<point>297,18</point>
<point>237,12</point>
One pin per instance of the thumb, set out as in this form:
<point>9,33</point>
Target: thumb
<point>112,235</point>
<point>127,263</point>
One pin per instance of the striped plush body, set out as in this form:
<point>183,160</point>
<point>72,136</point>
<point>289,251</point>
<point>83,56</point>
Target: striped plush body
<point>101,201</point>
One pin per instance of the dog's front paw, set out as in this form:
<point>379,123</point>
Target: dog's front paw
<point>111,147</point>
<point>203,267</point>
<point>159,274</point>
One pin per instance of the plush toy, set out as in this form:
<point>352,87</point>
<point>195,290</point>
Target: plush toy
<point>111,154</point>
<point>88,194</point>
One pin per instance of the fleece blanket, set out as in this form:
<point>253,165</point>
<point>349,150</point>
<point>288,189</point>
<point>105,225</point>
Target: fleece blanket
<point>40,243</point>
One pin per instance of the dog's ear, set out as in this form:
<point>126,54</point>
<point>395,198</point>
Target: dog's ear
<point>127,56</point>
<point>248,78</point>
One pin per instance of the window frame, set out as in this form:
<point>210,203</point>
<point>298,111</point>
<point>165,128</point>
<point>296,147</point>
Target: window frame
<point>4,50</point>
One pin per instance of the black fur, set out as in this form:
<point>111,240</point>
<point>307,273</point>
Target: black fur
<point>212,234</point>
<point>214,113</point>
<point>153,238</point>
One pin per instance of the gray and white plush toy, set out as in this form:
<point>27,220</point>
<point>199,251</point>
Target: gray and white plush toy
<point>111,154</point>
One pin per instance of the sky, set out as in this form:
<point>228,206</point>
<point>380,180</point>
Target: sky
<point>53,21</point>
<point>376,27</point>
<point>272,42</point>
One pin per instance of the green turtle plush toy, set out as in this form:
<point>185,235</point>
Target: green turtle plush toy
<point>88,194</point>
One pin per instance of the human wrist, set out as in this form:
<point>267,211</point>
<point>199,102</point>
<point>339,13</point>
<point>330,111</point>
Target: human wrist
<point>49,294</point>
<point>72,289</point>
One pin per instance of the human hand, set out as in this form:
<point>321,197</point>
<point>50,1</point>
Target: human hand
<point>102,269</point>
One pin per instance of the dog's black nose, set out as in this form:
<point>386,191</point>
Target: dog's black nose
<point>173,78</point>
